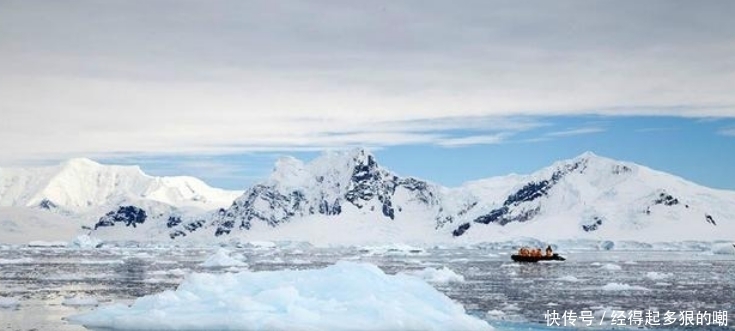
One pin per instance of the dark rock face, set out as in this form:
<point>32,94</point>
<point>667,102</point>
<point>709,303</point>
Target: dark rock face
<point>129,215</point>
<point>513,207</point>
<point>665,199</point>
<point>709,219</point>
<point>47,204</point>
<point>190,227</point>
<point>461,230</point>
<point>368,183</point>
<point>595,224</point>
<point>173,221</point>
<point>620,169</point>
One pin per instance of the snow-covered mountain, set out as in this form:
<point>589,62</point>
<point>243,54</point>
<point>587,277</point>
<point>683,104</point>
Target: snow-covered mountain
<point>337,184</point>
<point>81,191</point>
<point>596,197</point>
<point>79,185</point>
<point>348,197</point>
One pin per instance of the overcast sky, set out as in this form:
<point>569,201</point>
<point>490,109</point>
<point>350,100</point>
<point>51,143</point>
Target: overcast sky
<point>182,79</point>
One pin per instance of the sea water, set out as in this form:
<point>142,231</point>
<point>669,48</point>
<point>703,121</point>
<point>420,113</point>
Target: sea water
<point>49,284</point>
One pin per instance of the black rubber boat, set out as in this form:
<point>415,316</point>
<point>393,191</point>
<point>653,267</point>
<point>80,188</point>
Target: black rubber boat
<point>520,258</point>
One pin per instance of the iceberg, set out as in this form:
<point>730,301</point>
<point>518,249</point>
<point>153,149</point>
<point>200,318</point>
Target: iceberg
<point>345,296</point>
<point>568,278</point>
<point>611,267</point>
<point>23,260</point>
<point>85,241</point>
<point>9,303</point>
<point>222,259</point>
<point>724,249</point>
<point>653,275</point>
<point>622,287</point>
<point>438,276</point>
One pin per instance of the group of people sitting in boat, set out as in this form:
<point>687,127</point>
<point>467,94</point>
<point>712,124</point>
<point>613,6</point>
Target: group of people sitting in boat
<point>535,252</point>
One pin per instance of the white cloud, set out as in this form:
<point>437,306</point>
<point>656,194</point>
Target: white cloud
<point>576,132</point>
<point>134,78</point>
<point>472,140</point>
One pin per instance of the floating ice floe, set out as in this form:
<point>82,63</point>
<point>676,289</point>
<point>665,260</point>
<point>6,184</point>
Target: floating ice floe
<point>606,245</point>
<point>85,241</point>
<point>23,260</point>
<point>495,314</point>
<point>438,276</point>
<point>89,262</point>
<point>80,301</point>
<point>222,259</point>
<point>261,244</point>
<point>41,243</point>
<point>653,275</point>
<point>724,249</point>
<point>570,279</point>
<point>346,296</point>
<point>611,267</point>
<point>9,303</point>
<point>394,249</point>
<point>622,287</point>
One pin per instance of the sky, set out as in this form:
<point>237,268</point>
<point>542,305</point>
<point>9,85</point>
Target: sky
<point>446,91</point>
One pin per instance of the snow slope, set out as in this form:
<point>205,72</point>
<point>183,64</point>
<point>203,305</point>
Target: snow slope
<point>600,198</point>
<point>348,198</point>
<point>79,185</point>
<point>52,203</point>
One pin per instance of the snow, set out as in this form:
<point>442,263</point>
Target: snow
<point>653,275</point>
<point>611,267</point>
<point>620,194</point>
<point>622,287</point>
<point>80,301</point>
<point>9,303</point>
<point>222,259</point>
<point>345,296</point>
<point>438,276</point>
<point>77,185</point>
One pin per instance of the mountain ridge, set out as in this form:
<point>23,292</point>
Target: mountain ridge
<point>78,185</point>
<point>346,196</point>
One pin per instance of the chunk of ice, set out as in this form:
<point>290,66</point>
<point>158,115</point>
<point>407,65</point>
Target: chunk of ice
<point>9,303</point>
<point>622,287</point>
<point>222,259</point>
<point>439,276</point>
<point>345,296</point>
<point>611,267</point>
<point>570,279</point>
<point>653,275</point>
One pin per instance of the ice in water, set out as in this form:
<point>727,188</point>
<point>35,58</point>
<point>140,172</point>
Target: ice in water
<point>507,295</point>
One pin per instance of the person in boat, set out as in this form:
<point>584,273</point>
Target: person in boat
<point>549,251</point>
